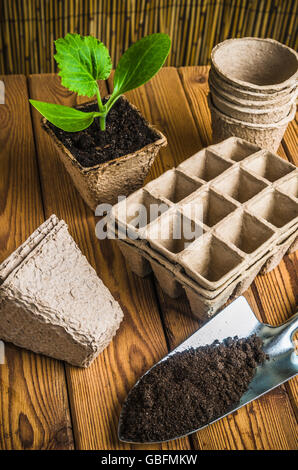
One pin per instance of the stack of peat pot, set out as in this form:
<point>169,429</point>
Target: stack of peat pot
<point>228,213</point>
<point>253,90</point>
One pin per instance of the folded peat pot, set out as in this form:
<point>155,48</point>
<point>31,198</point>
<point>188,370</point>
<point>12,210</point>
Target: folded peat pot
<point>103,183</point>
<point>267,136</point>
<point>250,114</point>
<point>225,214</point>
<point>234,91</point>
<point>257,65</point>
<point>52,301</point>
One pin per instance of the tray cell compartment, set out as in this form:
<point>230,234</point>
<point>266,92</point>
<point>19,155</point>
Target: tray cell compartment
<point>208,207</point>
<point>205,165</point>
<point>173,185</point>
<point>290,186</point>
<point>137,263</point>
<point>240,185</point>
<point>202,308</point>
<point>245,231</point>
<point>275,207</point>
<point>166,280</point>
<point>235,149</point>
<point>138,210</point>
<point>172,233</point>
<point>210,261</point>
<point>269,166</point>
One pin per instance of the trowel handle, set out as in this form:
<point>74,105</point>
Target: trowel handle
<point>284,333</point>
<point>290,326</point>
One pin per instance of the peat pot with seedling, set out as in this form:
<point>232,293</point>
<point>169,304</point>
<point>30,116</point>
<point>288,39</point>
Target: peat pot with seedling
<point>106,145</point>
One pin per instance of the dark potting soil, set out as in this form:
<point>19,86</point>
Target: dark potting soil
<point>126,131</point>
<point>190,389</point>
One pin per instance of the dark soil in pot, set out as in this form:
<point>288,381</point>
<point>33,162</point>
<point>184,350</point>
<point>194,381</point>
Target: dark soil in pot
<point>126,132</point>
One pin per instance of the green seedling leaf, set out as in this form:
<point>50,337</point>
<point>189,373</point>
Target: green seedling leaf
<point>140,63</point>
<point>67,119</point>
<point>82,61</point>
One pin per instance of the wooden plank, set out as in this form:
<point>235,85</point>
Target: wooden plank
<point>34,412</point>
<point>195,84</point>
<point>289,142</point>
<point>289,147</point>
<point>96,394</point>
<point>273,295</point>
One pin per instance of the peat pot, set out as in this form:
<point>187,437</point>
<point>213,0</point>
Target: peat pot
<point>234,91</point>
<point>267,136</point>
<point>252,102</point>
<point>104,182</point>
<point>256,65</point>
<point>250,114</point>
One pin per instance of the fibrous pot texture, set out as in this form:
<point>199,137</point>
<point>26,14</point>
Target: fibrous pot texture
<point>248,113</point>
<point>103,183</point>
<point>233,90</point>
<point>229,212</point>
<point>52,301</point>
<point>252,101</point>
<point>262,65</point>
<point>267,136</point>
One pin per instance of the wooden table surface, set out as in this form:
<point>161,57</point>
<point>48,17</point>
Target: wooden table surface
<point>46,404</point>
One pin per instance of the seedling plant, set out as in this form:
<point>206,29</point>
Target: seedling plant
<point>83,60</point>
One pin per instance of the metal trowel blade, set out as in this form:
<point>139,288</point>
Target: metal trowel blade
<point>238,319</point>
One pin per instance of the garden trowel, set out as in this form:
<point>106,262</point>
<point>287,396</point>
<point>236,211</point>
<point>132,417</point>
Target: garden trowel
<point>238,319</point>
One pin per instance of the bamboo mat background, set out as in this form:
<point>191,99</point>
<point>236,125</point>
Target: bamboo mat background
<point>28,28</point>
